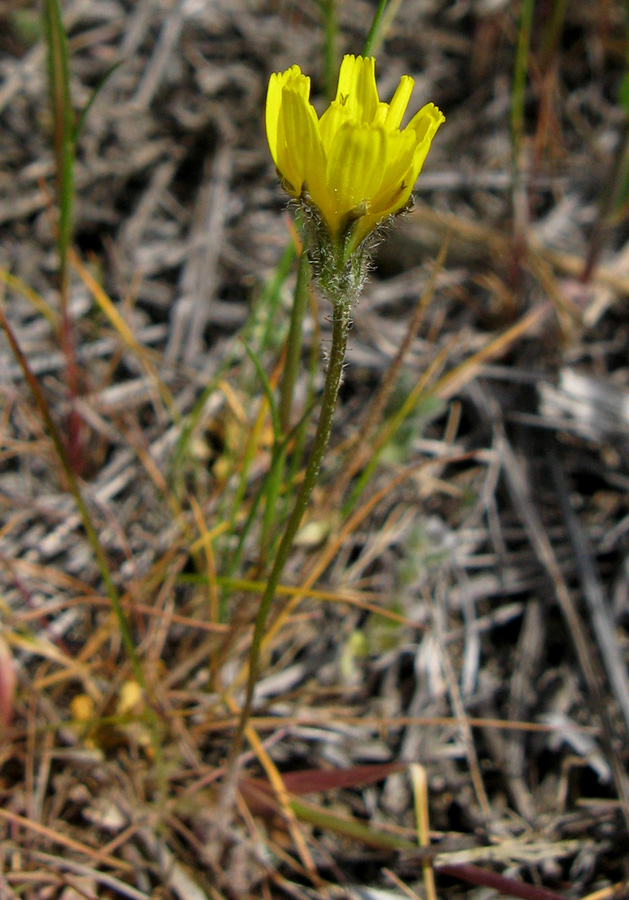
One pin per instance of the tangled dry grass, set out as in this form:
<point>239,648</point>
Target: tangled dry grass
<point>458,602</point>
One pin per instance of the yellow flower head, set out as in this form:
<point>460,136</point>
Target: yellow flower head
<point>354,164</point>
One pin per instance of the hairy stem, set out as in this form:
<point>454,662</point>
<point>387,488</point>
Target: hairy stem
<point>340,328</point>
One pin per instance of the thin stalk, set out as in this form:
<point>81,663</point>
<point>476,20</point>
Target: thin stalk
<point>519,78</point>
<point>340,329</point>
<point>64,147</point>
<point>277,456</point>
<point>63,116</point>
<point>271,501</point>
<point>329,50</point>
<point>75,490</point>
<point>294,341</point>
<point>609,195</point>
<point>616,186</point>
<point>375,25</point>
<point>553,32</point>
<point>285,407</point>
<point>518,96</point>
<point>360,454</point>
<point>269,298</point>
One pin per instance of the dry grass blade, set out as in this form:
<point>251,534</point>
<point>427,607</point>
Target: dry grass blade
<point>459,710</point>
<point>126,334</point>
<point>600,613</point>
<point>38,302</point>
<point>540,542</point>
<point>455,380</point>
<point>498,244</point>
<point>420,791</point>
<point>507,886</point>
<point>333,546</point>
<point>7,686</point>
<point>276,781</point>
<point>64,841</point>
<point>92,873</point>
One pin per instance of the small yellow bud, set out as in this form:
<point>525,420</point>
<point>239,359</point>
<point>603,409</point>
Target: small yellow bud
<point>82,708</point>
<point>129,697</point>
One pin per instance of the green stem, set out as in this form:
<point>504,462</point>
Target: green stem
<point>263,493</point>
<point>375,25</point>
<point>285,407</point>
<point>64,147</point>
<point>609,195</point>
<point>269,297</point>
<point>330,63</point>
<point>340,328</point>
<point>294,341</point>
<point>519,78</point>
<point>271,503</point>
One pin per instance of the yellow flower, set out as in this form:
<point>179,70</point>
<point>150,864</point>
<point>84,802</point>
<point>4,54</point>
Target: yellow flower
<point>354,164</point>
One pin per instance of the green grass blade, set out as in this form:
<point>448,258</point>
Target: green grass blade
<point>63,118</point>
<point>330,51</point>
<point>270,296</point>
<point>90,103</point>
<point>350,828</point>
<point>294,340</point>
<point>276,461</point>
<point>272,494</point>
<point>518,91</point>
<point>275,417</point>
<point>375,27</point>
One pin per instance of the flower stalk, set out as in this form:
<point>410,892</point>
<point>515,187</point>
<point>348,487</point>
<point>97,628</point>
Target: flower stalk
<point>340,329</point>
<point>350,172</point>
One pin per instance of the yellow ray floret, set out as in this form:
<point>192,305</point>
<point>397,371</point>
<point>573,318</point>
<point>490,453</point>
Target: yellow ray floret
<point>354,163</point>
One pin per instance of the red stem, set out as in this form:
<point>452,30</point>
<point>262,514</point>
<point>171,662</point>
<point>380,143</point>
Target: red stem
<point>508,886</point>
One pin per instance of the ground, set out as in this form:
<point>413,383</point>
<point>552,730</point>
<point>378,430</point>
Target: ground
<point>445,663</point>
